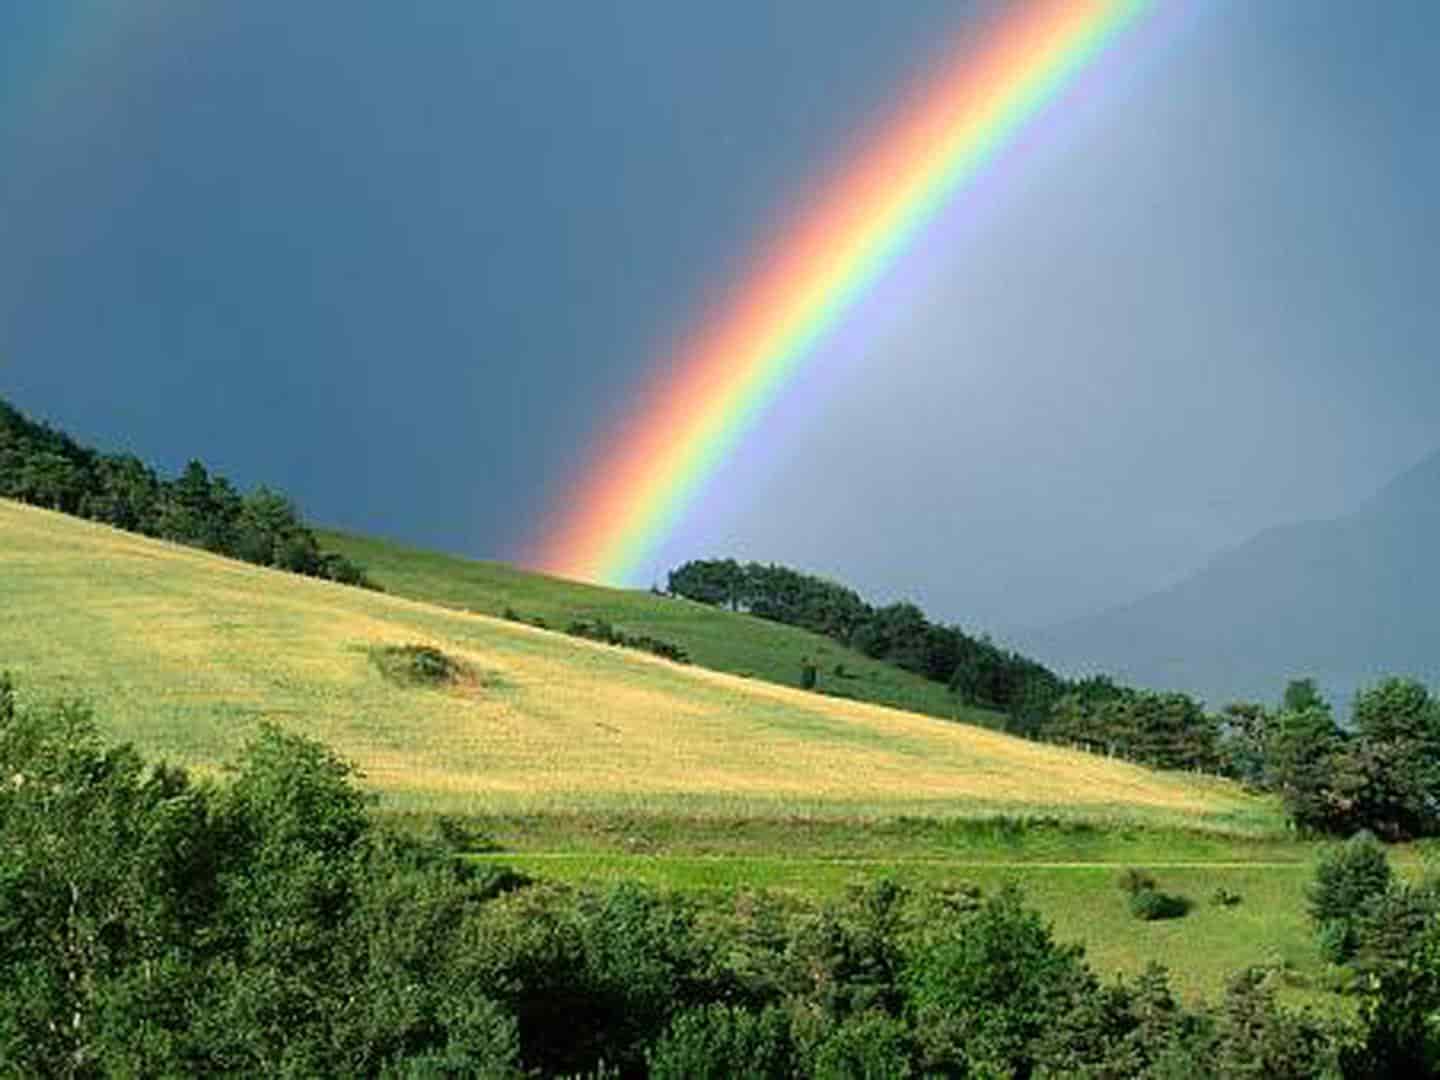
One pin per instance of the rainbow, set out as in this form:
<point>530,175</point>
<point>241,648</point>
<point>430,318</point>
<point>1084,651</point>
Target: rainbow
<point>714,387</point>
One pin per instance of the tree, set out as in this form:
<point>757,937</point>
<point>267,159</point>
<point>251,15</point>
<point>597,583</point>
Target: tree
<point>1346,878</point>
<point>1303,751</point>
<point>1398,724</point>
<point>1303,694</point>
<point>983,988</point>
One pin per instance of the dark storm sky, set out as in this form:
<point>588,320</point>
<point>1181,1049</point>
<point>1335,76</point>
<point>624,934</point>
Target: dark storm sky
<point>405,261</point>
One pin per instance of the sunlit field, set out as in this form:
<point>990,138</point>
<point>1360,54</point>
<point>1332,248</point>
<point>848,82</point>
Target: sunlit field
<point>186,654</point>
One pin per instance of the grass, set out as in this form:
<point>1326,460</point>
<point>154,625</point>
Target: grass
<point>1071,872</point>
<point>712,638</point>
<point>1082,902</point>
<point>185,653</point>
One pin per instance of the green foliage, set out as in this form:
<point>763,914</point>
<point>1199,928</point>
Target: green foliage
<point>1400,1011</point>
<point>981,673</point>
<point>1335,939</point>
<point>715,1041</point>
<point>1146,901</point>
<point>983,988</point>
<point>1346,876</point>
<point>415,665</point>
<point>1255,1037</point>
<point>1168,731</point>
<point>1384,776</point>
<point>601,630</point>
<point>1387,924</point>
<point>1151,904</point>
<point>872,1045</point>
<point>1302,695</point>
<point>1123,1030</point>
<point>1394,774</point>
<point>1303,751</point>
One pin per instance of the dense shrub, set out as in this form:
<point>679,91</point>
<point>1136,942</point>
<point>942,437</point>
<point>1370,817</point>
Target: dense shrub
<point>1146,901</point>
<point>416,665</point>
<point>873,1045</point>
<point>982,988</point>
<point>1346,876</point>
<point>601,630</point>
<point>1151,904</point>
<point>716,1042</point>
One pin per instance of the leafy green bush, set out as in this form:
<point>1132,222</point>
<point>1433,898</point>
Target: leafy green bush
<point>601,630</point>
<point>415,665</point>
<point>872,1045</point>
<point>983,987</point>
<point>1151,904</point>
<point>715,1042</point>
<point>1346,876</point>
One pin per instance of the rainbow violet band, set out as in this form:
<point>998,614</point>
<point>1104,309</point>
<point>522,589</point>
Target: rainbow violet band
<point>712,389</point>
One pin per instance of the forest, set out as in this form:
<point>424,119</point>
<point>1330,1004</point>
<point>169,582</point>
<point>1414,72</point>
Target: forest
<point>47,468</point>
<point>151,924</point>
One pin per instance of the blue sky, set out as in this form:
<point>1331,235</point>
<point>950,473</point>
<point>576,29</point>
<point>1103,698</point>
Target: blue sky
<point>406,261</point>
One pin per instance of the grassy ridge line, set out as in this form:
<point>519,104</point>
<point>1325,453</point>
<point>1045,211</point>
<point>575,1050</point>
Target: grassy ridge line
<point>714,638</point>
<point>186,653</point>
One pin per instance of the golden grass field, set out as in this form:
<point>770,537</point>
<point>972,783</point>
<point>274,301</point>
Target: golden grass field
<point>186,653</point>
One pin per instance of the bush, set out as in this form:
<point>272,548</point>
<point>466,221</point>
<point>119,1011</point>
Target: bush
<point>984,986</point>
<point>1346,877</point>
<point>602,631</point>
<point>415,665</point>
<point>870,1045</point>
<point>718,1041</point>
<point>1151,904</point>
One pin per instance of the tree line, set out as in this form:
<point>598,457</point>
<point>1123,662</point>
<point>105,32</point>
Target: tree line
<point>980,672</point>
<point>47,468</point>
<point>151,924</point>
<point>1381,772</point>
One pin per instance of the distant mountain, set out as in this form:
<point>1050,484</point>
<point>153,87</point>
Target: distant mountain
<point>1346,601</point>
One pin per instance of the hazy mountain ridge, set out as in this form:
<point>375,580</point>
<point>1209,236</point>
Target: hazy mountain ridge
<point>1346,600</point>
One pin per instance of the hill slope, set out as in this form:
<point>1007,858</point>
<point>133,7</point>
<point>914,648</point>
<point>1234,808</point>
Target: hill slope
<point>712,637</point>
<point>185,653</point>
<point>1347,601</point>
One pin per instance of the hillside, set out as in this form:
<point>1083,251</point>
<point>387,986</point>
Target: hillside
<point>185,653</point>
<point>712,637</point>
<point>1347,601</point>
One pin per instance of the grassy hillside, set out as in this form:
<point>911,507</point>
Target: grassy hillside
<point>186,653</point>
<point>713,638</point>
